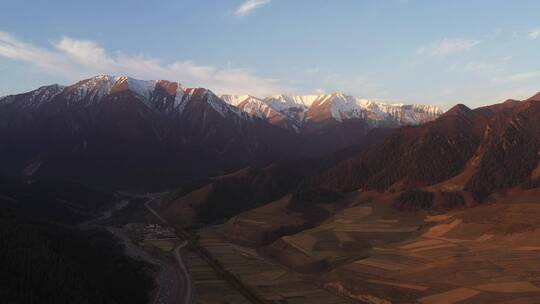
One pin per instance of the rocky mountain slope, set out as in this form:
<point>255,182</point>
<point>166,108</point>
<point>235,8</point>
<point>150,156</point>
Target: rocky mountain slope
<point>438,213</point>
<point>477,152</point>
<point>111,131</point>
<point>122,131</point>
<point>464,158</point>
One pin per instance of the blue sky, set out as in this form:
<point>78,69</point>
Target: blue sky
<point>438,52</point>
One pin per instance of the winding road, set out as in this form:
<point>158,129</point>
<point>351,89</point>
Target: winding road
<point>185,295</point>
<point>174,282</point>
<point>168,281</point>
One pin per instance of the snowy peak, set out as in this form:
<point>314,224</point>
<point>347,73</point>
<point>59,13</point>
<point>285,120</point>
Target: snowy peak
<point>284,111</point>
<point>141,88</point>
<point>34,98</point>
<point>342,107</point>
<point>291,101</point>
<point>332,107</point>
<point>336,106</point>
<point>97,87</point>
<point>293,112</point>
<point>235,100</point>
<point>157,95</point>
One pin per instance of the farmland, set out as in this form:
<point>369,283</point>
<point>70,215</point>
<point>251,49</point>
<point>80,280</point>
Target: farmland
<point>271,282</point>
<point>372,253</point>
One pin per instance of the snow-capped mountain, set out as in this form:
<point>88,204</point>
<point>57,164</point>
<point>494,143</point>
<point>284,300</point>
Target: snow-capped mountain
<point>327,108</point>
<point>107,129</point>
<point>253,106</point>
<point>159,95</point>
<point>274,112</point>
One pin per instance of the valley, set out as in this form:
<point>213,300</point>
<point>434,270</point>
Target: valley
<point>269,152</point>
<point>428,211</point>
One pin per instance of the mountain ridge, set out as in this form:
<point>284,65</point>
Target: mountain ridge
<point>301,110</point>
<point>117,130</point>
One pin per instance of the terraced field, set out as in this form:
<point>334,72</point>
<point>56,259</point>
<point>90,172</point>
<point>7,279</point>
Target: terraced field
<point>209,287</point>
<point>372,253</point>
<point>270,281</point>
<point>488,254</point>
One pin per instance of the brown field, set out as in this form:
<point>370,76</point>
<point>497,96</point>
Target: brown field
<point>375,254</point>
<point>271,281</point>
<point>209,287</point>
<point>163,245</point>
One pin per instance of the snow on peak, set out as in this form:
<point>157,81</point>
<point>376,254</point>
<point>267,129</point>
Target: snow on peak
<point>142,88</point>
<point>93,90</point>
<point>341,107</point>
<point>290,110</point>
<point>347,107</point>
<point>222,107</point>
<point>291,101</point>
<point>171,97</point>
<point>234,100</point>
<point>97,87</point>
<point>37,97</point>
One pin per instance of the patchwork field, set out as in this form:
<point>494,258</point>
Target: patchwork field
<point>209,287</point>
<point>271,282</point>
<point>372,253</point>
<point>487,254</point>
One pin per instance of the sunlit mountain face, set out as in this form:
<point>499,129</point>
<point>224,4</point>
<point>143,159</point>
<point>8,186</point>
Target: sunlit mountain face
<point>269,152</point>
<point>323,188</point>
<point>121,132</point>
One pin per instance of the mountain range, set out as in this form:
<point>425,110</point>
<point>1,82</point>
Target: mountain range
<point>303,112</point>
<point>463,158</point>
<point>443,210</point>
<point>375,202</point>
<point>112,131</point>
<point>474,152</point>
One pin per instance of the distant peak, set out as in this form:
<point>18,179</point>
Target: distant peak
<point>459,109</point>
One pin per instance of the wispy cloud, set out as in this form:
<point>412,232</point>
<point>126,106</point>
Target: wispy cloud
<point>249,6</point>
<point>534,33</point>
<point>447,46</point>
<point>75,59</point>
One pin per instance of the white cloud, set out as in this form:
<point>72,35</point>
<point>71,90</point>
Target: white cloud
<point>77,59</point>
<point>249,5</point>
<point>534,33</point>
<point>84,52</point>
<point>12,48</point>
<point>447,46</point>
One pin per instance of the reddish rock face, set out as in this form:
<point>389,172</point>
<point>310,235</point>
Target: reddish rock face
<point>108,135</point>
<point>122,132</point>
<point>501,139</point>
<point>169,87</point>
